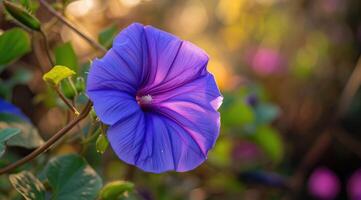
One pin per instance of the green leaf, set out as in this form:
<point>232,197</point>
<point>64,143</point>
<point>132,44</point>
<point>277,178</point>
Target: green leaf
<point>14,43</point>
<point>6,134</point>
<point>71,178</point>
<point>65,55</point>
<point>113,190</point>
<point>270,141</point>
<point>102,143</point>
<point>107,35</point>
<point>57,73</point>
<point>28,138</point>
<point>23,16</point>
<point>28,185</point>
<point>238,114</point>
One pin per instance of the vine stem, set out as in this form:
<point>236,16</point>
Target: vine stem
<point>56,88</point>
<point>72,27</point>
<point>47,49</point>
<point>62,97</point>
<point>49,142</point>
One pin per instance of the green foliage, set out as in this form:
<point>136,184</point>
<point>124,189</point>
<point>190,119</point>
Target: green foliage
<point>6,134</point>
<point>28,137</point>
<point>107,35</point>
<point>22,15</point>
<point>28,185</point>
<point>71,178</point>
<point>57,74</point>
<point>65,56</point>
<point>102,143</point>
<point>221,153</point>
<point>115,190</point>
<point>270,142</point>
<point>239,113</point>
<point>265,113</point>
<point>14,43</point>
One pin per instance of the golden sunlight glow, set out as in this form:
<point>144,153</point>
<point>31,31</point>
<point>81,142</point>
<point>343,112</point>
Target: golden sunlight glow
<point>80,8</point>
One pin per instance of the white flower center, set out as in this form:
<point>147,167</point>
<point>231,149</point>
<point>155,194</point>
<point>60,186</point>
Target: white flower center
<point>146,99</point>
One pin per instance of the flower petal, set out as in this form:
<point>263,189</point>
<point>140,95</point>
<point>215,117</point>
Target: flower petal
<point>154,144</point>
<point>173,61</point>
<point>112,106</point>
<point>194,108</point>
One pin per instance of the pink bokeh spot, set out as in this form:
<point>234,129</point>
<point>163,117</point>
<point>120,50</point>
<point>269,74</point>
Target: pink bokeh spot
<point>266,61</point>
<point>323,184</point>
<point>354,186</point>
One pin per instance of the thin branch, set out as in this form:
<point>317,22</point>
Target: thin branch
<point>72,27</point>
<point>351,88</point>
<point>50,142</point>
<point>47,49</point>
<point>62,97</point>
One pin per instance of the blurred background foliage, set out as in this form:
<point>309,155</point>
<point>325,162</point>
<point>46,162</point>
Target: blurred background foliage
<point>281,65</point>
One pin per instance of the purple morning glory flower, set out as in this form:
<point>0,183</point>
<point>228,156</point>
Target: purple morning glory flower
<point>159,100</point>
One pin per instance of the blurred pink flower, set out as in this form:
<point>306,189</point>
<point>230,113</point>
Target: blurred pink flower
<point>266,61</point>
<point>323,184</point>
<point>354,186</point>
<point>246,151</point>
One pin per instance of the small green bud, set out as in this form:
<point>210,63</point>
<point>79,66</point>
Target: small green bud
<point>80,84</point>
<point>68,90</point>
<point>22,15</point>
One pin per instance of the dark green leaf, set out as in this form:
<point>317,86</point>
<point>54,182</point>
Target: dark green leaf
<point>14,43</point>
<point>71,178</point>
<point>6,134</point>
<point>23,16</point>
<point>107,35</point>
<point>113,190</point>
<point>28,185</point>
<point>28,138</point>
<point>65,55</point>
<point>102,143</point>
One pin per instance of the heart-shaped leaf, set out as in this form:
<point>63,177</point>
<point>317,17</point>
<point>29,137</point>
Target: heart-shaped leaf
<point>5,135</point>
<point>28,185</point>
<point>71,178</point>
